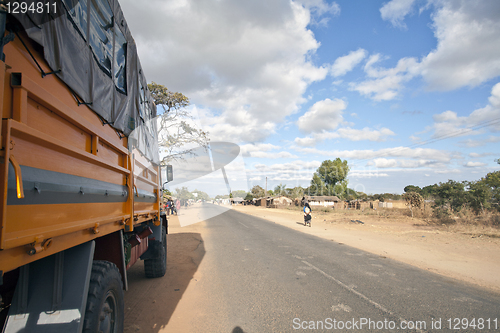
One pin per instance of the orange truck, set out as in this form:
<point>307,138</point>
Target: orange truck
<point>80,175</point>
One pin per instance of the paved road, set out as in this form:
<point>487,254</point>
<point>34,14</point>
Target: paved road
<point>258,276</point>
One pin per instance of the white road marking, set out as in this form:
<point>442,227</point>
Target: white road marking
<point>243,224</point>
<point>307,268</point>
<point>343,285</point>
<point>341,307</point>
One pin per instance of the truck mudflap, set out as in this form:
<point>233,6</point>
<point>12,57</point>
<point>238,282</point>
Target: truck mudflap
<point>155,243</point>
<point>42,302</point>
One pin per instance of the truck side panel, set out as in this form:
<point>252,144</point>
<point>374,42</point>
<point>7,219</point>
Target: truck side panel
<point>79,181</point>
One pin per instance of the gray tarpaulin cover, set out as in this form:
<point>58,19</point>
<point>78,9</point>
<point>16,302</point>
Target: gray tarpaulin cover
<point>97,57</point>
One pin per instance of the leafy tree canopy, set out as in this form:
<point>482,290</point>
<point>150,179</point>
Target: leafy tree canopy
<point>330,178</point>
<point>178,135</point>
<point>451,194</point>
<point>280,189</point>
<point>296,192</point>
<point>200,195</point>
<point>257,191</point>
<point>413,188</point>
<point>239,194</point>
<point>183,193</point>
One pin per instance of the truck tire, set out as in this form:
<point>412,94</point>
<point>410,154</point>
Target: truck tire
<point>157,267</point>
<point>105,301</point>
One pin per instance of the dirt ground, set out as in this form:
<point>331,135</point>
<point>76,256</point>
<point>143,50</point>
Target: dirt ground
<point>153,305</point>
<point>470,254</point>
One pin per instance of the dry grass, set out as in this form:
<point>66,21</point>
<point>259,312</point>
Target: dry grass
<point>466,221</point>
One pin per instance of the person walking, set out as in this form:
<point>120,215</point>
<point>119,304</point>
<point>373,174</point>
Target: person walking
<point>177,206</point>
<point>167,206</point>
<point>307,214</point>
<point>172,207</point>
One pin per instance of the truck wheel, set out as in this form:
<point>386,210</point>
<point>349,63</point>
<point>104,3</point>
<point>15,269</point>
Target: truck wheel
<point>157,267</point>
<point>104,311</point>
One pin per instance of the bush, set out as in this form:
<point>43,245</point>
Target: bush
<point>443,215</point>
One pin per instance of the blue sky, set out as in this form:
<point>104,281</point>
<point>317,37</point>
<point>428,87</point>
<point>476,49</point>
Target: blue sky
<point>407,91</point>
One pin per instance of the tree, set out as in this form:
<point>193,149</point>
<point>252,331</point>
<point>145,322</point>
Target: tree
<point>492,179</point>
<point>249,197</point>
<point>280,189</point>
<point>296,192</point>
<point>330,178</point>
<point>413,188</point>
<point>239,193</point>
<point>257,191</point>
<point>183,193</point>
<point>451,194</point>
<point>201,195</point>
<point>318,186</point>
<point>413,199</point>
<point>350,194</point>
<point>478,195</point>
<point>362,196</point>
<point>429,191</point>
<point>178,136</point>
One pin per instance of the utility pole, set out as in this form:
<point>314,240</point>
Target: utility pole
<point>265,194</point>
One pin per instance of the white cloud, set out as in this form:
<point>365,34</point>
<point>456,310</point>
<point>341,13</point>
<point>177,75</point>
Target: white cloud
<point>471,164</point>
<point>468,44</point>
<point>292,174</point>
<point>323,115</point>
<point>365,134</point>
<point>479,143</point>
<point>364,174</point>
<point>345,64</point>
<point>477,155</point>
<point>401,163</point>
<point>495,96</point>
<point>426,154</point>
<point>447,171</point>
<point>396,10</point>
<point>306,142</point>
<point>449,124</point>
<point>415,138</point>
<point>319,8</point>
<point>382,83</point>
<point>282,154</point>
<point>225,54</point>
<point>346,133</point>
<point>263,150</point>
<point>384,163</point>
<point>467,51</point>
<point>247,149</point>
